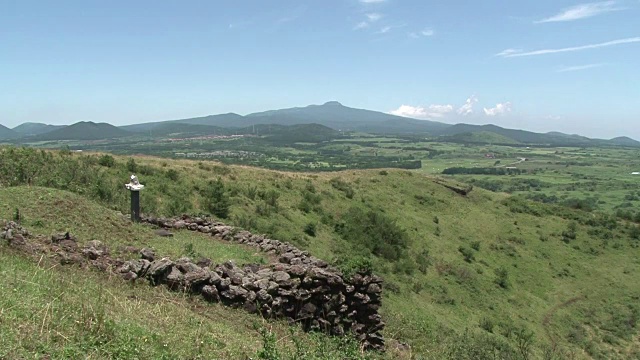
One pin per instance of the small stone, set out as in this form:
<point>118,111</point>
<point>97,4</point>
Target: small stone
<point>148,254</point>
<point>163,233</point>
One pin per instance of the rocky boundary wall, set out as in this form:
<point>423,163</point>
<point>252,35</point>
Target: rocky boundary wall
<point>299,287</point>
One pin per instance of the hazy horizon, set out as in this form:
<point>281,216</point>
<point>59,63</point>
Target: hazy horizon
<point>545,66</point>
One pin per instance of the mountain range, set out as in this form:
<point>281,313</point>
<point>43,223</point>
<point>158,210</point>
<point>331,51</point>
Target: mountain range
<point>332,115</point>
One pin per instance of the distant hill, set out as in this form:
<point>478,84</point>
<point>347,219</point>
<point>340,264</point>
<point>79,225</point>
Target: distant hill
<point>332,114</point>
<point>625,141</point>
<point>174,129</point>
<point>32,129</point>
<point>7,134</point>
<point>293,133</point>
<point>84,130</point>
<point>480,137</point>
<point>527,137</point>
<point>340,117</point>
<point>229,120</point>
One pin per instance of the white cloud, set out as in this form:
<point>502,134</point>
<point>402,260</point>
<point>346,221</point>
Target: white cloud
<point>582,11</point>
<point>428,32</point>
<point>507,52</point>
<point>384,30</point>
<point>467,108</point>
<point>419,112</point>
<point>373,17</point>
<point>519,53</point>
<point>361,25</point>
<point>499,109</point>
<point>372,1</point>
<point>425,33</point>
<point>578,67</point>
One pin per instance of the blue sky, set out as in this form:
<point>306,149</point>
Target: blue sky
<point>539,65</point>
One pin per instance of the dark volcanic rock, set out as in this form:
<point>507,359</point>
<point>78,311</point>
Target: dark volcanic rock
<point>148,254</point>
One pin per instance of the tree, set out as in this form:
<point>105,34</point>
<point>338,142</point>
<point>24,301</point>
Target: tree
<point>216,200</point>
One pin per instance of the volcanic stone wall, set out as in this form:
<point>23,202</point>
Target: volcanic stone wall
<point>299,287</point>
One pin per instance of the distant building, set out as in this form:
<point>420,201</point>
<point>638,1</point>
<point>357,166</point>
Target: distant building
<point>490,156</point>
<point>635,173</point>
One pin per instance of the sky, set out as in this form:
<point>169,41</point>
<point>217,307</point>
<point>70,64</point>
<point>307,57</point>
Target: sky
<point>545,65</point>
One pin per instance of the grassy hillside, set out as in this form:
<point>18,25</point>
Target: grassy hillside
<point>466,276</point>
<point>68,312</point>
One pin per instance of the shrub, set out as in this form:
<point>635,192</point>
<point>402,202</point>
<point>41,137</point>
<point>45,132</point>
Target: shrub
<point>351,265</point>
<point>423,261</point>
<point>173,175</point>
<point>132,167</point>
<point>343,186</point>
<point>436,220</point>
<point>310,229</point>
<point>502,278</point>
<point>467,253</point>
<point>216,200</point>
<point>475,245</point>
<point>374,231</point>
<point>252,191</point>
<point>106,160</point>
<point>486,324</point>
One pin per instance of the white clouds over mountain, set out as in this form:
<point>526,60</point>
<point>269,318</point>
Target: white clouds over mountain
<point>448,111</point>
<point>499,109</point>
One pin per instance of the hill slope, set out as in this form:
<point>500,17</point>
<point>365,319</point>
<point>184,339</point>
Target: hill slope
<point>6,133</point>
<point>84,130</point>
<point>561,277</point>
<point>625,141</point>
<point>91,314</point>
<point>31,129</point>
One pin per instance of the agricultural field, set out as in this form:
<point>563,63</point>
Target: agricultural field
<point>594,178</point>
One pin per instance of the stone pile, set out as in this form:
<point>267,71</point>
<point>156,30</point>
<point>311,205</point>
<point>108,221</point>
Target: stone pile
<point>300,287</point>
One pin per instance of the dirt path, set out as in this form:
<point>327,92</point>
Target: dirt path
<point>549,316</point>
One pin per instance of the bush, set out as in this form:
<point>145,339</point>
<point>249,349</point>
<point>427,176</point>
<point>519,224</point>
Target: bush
<point>106,160</point>
<point>132,167</point>
<point>343,186</point>
<point>486,324</point>
<point>475,245</point>
<point>423,261</point>
<point>310,229</point>
<point>351,265</point>
<point>216,200</point>
<point>467,253</point>
<point>173,175</point>
<point>374,231</point>
<point>502,278</point>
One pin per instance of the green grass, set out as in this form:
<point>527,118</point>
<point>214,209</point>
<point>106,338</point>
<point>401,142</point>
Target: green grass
<point>431,309</point>
<point>70,313</point>
<point>49,211</point>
